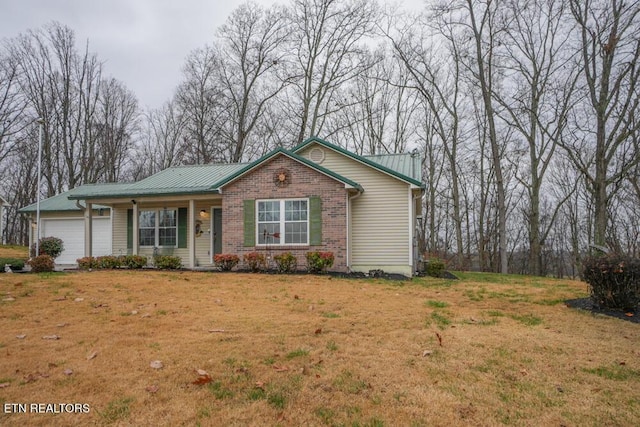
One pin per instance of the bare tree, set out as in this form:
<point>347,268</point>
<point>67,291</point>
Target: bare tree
<point>61,87</point>
<point>537,63</point>
<point>603,142</point>
<point>112,132</point>
<point>251,50</point>
<point>12,105</point>
<point>199,98</point>
<point>375,112</point>
<point>326,36</point>
<point>164,142</point>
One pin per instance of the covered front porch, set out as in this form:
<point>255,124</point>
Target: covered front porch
<point>187,227</point>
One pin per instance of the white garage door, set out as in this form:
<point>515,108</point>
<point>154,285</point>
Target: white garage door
<point>71,231</point>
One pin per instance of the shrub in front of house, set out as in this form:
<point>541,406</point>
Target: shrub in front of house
<point>226,262</point>
<point>434,267</point>
<point>319,261</point>
<point>52,246</point>
<point>614,281</point>
<point>133,261</point>
<point>87,263</point>
<point>286,262</point>
<point>167,262</point>
<point>108,261</point>
<point>14,263</point>
<point>255,261</point>
<point>42,264</point>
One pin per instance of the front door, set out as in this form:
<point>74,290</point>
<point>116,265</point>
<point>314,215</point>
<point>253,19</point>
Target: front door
<point>216,230</point>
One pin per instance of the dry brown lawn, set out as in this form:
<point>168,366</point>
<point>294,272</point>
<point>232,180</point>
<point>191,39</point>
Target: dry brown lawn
<point>8,251</point>
<point>308,350</point>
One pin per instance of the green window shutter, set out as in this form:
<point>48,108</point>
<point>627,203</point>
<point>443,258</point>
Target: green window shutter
<point>182,227</point>
<point>129,228</point>
<point>315,221</point>
<point>249,222</point>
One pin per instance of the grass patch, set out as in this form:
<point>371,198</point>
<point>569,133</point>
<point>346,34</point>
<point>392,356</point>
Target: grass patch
<point>440,319</point>
<point>277,399</point>
<point>527,319</point>
<point>436,304</point>
<point>615,372</point>
<point>348,383</point>
<point>116,410</point>
<point>330,315</point>
<point>219,391</point>
<point>301,352</point>
<point>256,394</point>
<point>325,414</point>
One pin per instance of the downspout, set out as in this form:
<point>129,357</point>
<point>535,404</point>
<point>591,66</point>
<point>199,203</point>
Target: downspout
<point>350,199</point>
<point>414,242</point>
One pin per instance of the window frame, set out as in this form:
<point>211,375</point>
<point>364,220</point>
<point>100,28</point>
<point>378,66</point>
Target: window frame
<point>157,227</point>
<point>282,222</point>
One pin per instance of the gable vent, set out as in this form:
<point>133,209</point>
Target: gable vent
<point>316,155</point>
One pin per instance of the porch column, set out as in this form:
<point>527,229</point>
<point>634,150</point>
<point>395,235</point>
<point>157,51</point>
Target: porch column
<point>88,230</point>
<point>136,233</point>
<point>191,233</point>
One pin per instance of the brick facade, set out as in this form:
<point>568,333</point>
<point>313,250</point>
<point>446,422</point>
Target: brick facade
<point>303,182</point>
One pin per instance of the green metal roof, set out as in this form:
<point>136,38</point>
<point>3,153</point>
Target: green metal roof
<point>202,179</point>
<point>405,170</point>
<point>173,181</point>
<point>294,156</point>
<point>406,163</point>
<point>61,202</point>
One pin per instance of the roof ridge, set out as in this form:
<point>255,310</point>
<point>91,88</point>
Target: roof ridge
<point>387,154</point>
<point>203,165</point>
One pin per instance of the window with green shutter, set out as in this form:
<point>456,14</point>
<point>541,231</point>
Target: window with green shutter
<point>283,222</point>
<point>129,228</point>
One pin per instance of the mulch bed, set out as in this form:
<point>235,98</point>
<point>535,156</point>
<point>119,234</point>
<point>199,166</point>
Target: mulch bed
<point>587,305</point>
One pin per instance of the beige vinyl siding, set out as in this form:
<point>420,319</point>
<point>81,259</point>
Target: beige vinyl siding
<point>120,232</point>
<point>379,219</point>
<point>119,227</point>
<point>203,242</point>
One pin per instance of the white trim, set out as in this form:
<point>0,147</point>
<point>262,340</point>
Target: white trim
<point>211,236</point>
<point>349,220</point>
<point>157,227</point>
<point>191,232</point>
<point>282,221</point>
<point>412,227</point>
<point>88,230</point>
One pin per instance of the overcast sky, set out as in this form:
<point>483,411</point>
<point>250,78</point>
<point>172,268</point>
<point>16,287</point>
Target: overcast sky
<point>142,42</point>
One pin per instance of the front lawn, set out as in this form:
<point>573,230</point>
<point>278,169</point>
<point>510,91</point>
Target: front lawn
<point>12,251</point>
<point>260,349</point>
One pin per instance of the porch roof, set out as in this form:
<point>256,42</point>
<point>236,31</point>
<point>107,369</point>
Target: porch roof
<point>173,181</point>
<point>61,202</point>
